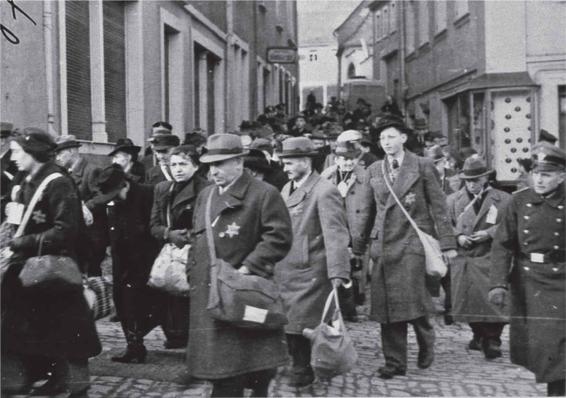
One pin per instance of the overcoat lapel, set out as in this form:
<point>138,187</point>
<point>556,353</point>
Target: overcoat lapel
<point>408,175</point>
<point>232,198</point>
<point>490,199</point>
<point>301,193</point>
<point>186,195</point>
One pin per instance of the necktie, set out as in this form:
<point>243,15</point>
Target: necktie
<point>394,170</point>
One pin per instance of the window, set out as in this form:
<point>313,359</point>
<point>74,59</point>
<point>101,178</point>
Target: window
<point>78,69</point>
<point>423,22</point>
<point>392,17</point>
<point>385,17</point>
<point>439,16</point>
<point>461,8</point>
<point>351,71</point>
<point>114,70</point>
<point>378,25</point>
<point>410,25</point>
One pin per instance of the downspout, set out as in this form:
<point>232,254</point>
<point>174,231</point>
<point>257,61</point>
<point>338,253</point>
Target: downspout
<point>402,69</point>
<point>48,50</point>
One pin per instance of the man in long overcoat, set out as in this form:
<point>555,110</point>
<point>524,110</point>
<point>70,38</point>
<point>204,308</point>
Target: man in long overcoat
<point>252,232</point>
<point>319,256</point>
<point>528,257</point>
<point>399,281</point>
<point>475,211</point>
<point>351,180</point>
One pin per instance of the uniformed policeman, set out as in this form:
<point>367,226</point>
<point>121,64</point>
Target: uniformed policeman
<point>531,236</point>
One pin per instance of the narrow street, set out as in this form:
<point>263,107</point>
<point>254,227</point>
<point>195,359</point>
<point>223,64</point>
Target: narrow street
<point>456,371</point>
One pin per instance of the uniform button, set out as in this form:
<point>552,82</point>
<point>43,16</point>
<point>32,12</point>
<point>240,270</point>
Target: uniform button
<point>560,207</point>
<point>556,247</point>
<point>555,269</point>
<point>526,268</point>
<point>525,243</point>
<point>558,220</point>
<point>526,231</point>
<point>221,234</point>
<point>529,205</point>
<point>112,228</point>
<point>557,234</point>
<point>526,217</point>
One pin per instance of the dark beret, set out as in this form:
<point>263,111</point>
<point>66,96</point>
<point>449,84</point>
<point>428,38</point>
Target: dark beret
<point>35,140</point>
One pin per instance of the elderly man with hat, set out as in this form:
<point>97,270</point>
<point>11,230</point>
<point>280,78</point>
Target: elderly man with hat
<point>353,185</point>
<point>400,294</point>
<point>318,260</point>
<point>476,211</point>
<point>132,247</point>
<point>162,143</point>
<point>251,229</point>
<point>125,155</point>
<point>529,268</point>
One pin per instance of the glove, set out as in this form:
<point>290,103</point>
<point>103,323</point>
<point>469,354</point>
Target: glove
<point>337,282</point>
<point>497,296</point>
<point>178,237</point>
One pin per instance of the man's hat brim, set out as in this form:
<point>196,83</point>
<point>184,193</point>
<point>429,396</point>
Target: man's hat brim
<point>213,158</point>
<point>296,154</point>
<point>132,150</point>
<point>464,176</point>
<point>67,145</point>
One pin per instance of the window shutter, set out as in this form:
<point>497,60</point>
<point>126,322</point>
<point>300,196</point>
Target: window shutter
<point>78,69</point>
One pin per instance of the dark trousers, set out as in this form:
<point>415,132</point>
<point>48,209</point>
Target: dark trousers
<point>258,382</point>
<point>176,323</point>
<point>300,351</point>
<point>394,340</point>
<point>446,286</point>
<point>487,331</point>
<point>556,388</point>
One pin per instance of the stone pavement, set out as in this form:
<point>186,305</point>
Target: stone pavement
<point>455,372</point>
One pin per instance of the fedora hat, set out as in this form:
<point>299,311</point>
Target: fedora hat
<point>125,145</point>
<point>297,147</point>
<point>66,142</point>
<point>346,149</point>
<point>388,121</point>
<point>222,147</point>
<point>165,141</point>
<point>256,160</point>
<point>111,180</point>
<point>546,136</point>
<point>474,167</point>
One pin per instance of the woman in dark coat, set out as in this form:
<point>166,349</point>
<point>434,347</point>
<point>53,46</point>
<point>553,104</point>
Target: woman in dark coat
<point>171,222</point>
<point>46,328</point>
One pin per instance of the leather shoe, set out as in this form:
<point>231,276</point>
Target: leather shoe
<point>475,344</point>
<point>491,349</point>
<point>388,371</point>
<point>301,380</point>
<point>49,388</point>
<point>425,358</point>
<point>132,355</point>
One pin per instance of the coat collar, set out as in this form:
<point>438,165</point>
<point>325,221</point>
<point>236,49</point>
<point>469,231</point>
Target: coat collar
<point>189,192</point>
<point>408,175</point>
<point>492,197</point>
<point>300,193</point>
<point>79,167</point>
<point>331,173</point>
<point>233,197</point>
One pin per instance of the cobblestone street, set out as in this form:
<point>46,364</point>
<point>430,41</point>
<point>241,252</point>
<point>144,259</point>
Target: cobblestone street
<point>456,371</point>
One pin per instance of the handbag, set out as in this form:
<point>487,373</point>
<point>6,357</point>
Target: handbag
<point>168,272</point>
<point>434,261</point>
<point>247,301</point>
<point>98,294</point>
<point>50,272</point>
<point>332,349</point>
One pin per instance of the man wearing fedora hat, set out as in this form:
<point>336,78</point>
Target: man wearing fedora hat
<point>319,257</point>
<point>400,286</point>
<point>529,266</point>
<point>351,181</point>
<point>85,176</point>
<point>475,212</point>
<point>125,154</point>
<point>252,232</point>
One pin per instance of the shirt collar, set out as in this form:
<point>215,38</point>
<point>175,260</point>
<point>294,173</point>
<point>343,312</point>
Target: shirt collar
<point>221,190</point>
<point>399,158</point>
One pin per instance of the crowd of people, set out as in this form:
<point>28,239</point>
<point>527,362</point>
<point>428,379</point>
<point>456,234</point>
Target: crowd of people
<point>327,199</point>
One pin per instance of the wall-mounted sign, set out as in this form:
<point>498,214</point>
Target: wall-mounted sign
<point>281,55</point>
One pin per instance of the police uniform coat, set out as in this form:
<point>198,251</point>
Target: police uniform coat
<point>534,224</point>
<point>359,206</point>
<point>55,324</point>
<point>252,228</point>
<point>398,284</point>
<point>470,270</point>
<point>319,252</point>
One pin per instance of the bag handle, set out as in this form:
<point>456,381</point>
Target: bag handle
<point>34,199</point>
<point>333,296</point>
<point>209,234</point>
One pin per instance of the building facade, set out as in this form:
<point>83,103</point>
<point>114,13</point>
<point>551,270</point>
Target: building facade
<point>104,70</point>
<point>487,74</point>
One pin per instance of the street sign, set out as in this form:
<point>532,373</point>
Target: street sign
<point>281,55</point>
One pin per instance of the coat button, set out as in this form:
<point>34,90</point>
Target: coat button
<point>529,205</point>
<point>221,234</point>
<point>560,207</point>
<point>557,234</point>
<point>112,228</point>
<point>556,247</point>
<point>526,231</point>
<point>525,243</point>
<point>526,268</point>
<point>526,217</point>
<point>558,220</point>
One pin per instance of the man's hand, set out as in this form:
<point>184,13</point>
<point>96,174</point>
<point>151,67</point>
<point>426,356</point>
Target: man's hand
<point>480,236</point>
<point>178,237</point>
<point>337,282</point>
<point>244,270</point>
<point>497,296</point>
<point>465,241</point>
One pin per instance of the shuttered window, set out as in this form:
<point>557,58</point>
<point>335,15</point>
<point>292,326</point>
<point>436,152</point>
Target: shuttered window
<point>114,69</point>
<point>78,69</point>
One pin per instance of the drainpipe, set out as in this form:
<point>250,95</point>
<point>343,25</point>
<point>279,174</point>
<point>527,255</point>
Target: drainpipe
<point>402,69</point>
<point>48,50</point>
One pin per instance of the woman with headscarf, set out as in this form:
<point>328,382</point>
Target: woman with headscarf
<point>45,331</point>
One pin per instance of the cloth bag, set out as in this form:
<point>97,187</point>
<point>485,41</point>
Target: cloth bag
<point>98,294</point>
<point>435,265</point>
<point>332,349</point>
<point>168,272</point>
<point>247,301</point>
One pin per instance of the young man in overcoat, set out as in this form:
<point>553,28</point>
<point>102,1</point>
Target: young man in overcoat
<point>399,281</point>
<point>252,232</point>
<point>528,256</point>
<point>319,257</point>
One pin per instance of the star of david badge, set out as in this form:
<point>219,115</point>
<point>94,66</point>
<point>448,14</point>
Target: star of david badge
<point>541,156</point>
<point>410,199</point>
<point>39,217</point>
<point>233,230</point>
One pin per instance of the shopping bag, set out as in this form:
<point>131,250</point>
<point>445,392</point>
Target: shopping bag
<point>332,349</point>
<point>434,262</point>
<point>169,272</point>
<point>98,294</point>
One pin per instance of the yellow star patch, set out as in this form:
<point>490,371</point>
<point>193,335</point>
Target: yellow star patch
<point>233,230</point>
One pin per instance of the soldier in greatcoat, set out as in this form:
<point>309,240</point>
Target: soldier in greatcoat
<point>252,232</point>
<point>399,281</point>
<point>475,211</point>
<point>528,258</point>
<point>319,257</point>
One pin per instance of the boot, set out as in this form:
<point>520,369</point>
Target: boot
<point>135,353</point>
